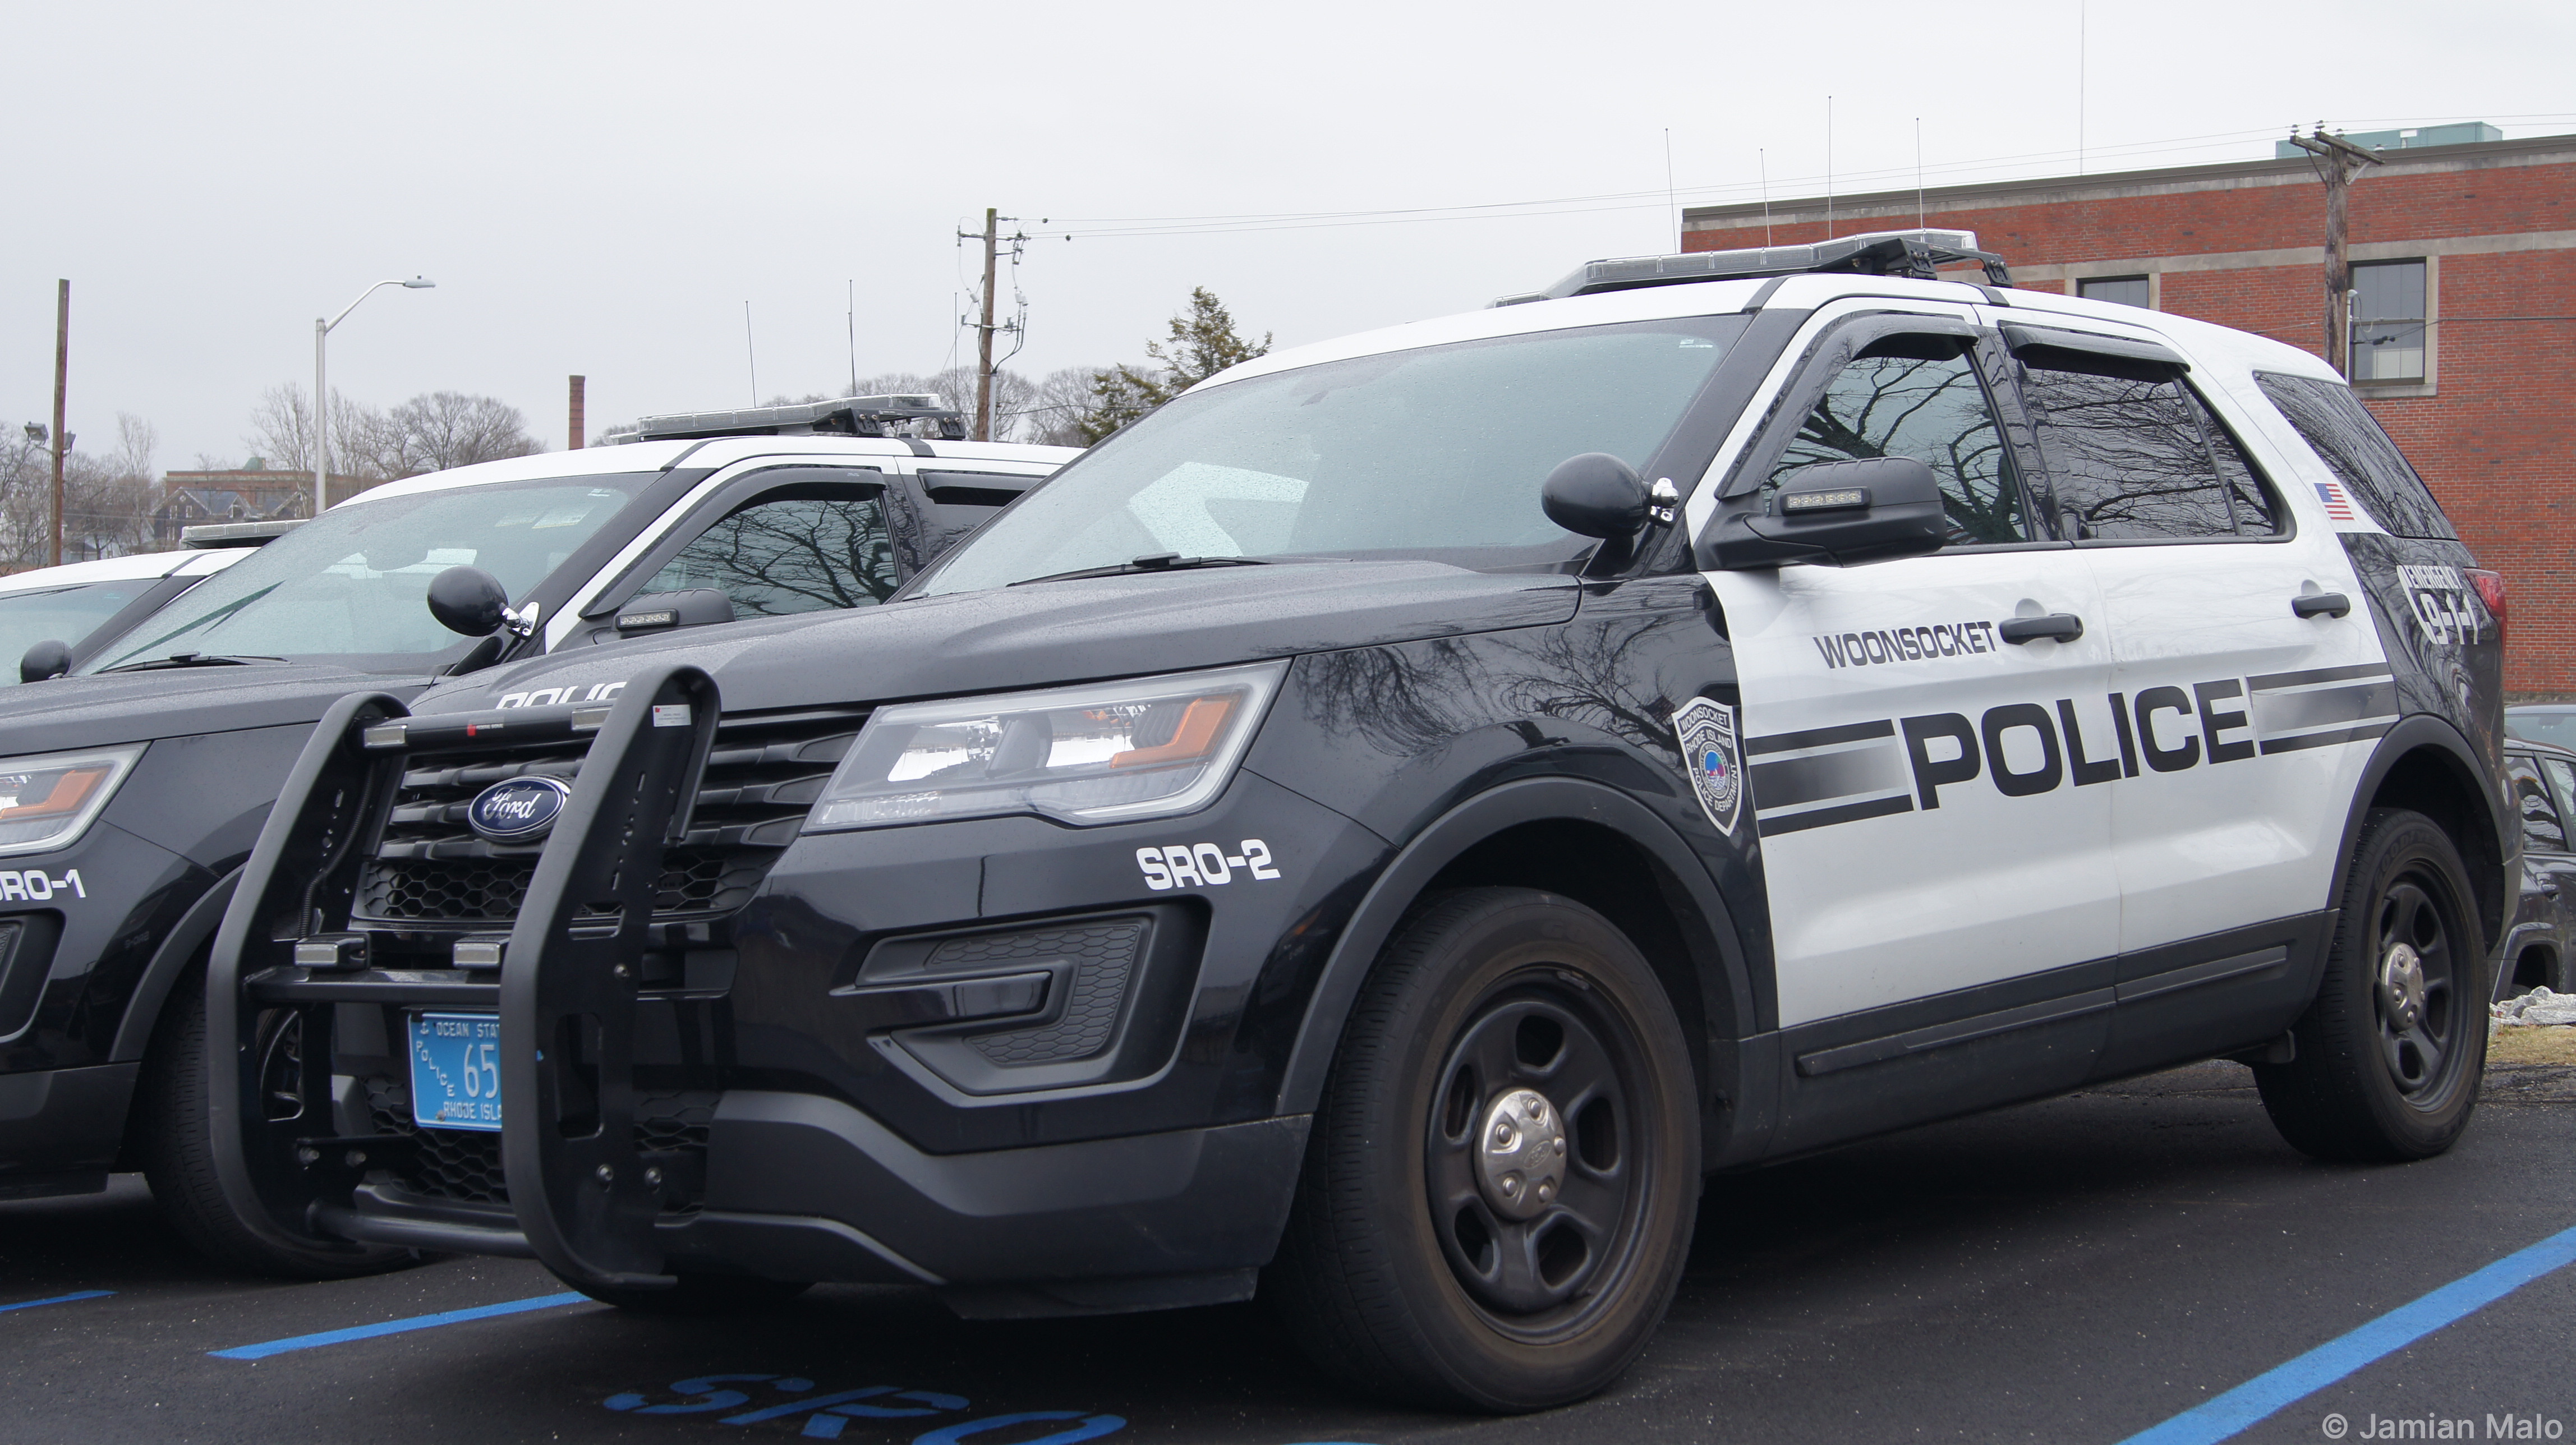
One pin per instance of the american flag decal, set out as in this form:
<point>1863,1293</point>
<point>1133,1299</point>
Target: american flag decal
<point>2338,506</point>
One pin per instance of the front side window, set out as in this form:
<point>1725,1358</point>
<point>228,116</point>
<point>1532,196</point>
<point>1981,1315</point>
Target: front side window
<point>1436,452</point>
<point>60,614</point>
<point>2388,321</point>
<point>1929,407</point>
<point>2350,441</point>
<point>2542,829</point>
<point>790,554</point>
<point>2123,290</point>
<point>350,586</point>
<point>2134,455</point>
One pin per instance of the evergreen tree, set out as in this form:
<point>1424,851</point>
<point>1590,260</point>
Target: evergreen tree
<point>1203,342</point>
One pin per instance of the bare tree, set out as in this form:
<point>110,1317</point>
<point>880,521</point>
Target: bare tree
<point>443,429</point>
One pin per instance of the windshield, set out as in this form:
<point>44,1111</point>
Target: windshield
<point>61,614</point>
<point>1435,452</point>
<point>349,586</point>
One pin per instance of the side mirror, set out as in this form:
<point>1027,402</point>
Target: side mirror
<point>657,611</point>
<point>47,659</point>
<point>1840,514</point>
<point>468,600</point>
<point>1595,495</point>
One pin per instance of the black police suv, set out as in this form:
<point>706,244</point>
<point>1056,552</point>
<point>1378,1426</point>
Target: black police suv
<point>1379,829</point>
<point>131,791</point>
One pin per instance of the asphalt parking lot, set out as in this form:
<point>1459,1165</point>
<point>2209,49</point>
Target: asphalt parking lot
<point>2084,1269</point>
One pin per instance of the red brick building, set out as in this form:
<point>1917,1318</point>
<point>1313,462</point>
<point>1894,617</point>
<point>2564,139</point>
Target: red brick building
<point>2464,333</point>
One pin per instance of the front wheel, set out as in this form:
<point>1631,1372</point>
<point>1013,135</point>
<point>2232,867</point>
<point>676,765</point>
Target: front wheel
<point>1499,1187</point>
<point>2390,1053</point>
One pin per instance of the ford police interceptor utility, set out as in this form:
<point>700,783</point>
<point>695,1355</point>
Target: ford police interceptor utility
<point>1378,829</point>
<point>131,791</point>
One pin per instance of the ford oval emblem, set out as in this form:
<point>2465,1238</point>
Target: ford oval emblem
<point>517,811</point>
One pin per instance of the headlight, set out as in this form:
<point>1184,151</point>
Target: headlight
<point>46,801</point>
<point>1100,754</point>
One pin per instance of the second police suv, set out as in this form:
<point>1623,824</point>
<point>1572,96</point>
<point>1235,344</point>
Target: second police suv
<point>1378,830</point>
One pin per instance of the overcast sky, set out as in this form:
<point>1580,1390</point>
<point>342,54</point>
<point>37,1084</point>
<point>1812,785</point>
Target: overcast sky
<point>599,189</point>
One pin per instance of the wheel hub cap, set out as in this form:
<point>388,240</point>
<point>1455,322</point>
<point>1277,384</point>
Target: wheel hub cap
<point>2401,986</point>
<point>1520,1156</point>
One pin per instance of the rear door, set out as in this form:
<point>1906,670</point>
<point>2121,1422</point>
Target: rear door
<point>2245,671</point>
<point>2542,790</point>
<point>1933,842</point>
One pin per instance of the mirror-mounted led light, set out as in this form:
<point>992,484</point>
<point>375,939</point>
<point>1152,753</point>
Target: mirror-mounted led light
<point>1104,753</point>
<point>48,800</point>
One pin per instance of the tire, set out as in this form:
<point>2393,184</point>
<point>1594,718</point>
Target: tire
<point>176,1145</point>
<point>1404,1271</point>
<point>697,1295</point>
<point>2387,1068</point>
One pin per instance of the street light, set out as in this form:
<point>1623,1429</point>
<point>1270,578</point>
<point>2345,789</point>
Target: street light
<point>321,393</point>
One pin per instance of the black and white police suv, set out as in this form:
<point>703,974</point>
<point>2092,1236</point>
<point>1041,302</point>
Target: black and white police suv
<point>131,791</point>
<point>1380,828</point>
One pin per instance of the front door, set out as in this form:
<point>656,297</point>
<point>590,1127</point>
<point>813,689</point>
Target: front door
<point>1923,786</point>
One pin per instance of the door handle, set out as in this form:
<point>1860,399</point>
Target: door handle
<point>2056,626</point>
<point>2332,604</point>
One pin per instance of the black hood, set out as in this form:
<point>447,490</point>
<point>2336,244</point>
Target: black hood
<point>133,707</point>
<point>1046,633</point>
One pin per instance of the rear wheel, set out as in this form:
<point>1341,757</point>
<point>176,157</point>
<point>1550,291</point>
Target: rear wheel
<point>1498,1190</point>
<point>175,1140</point>
<point>2391,1051</point>
<point>697,1294</point>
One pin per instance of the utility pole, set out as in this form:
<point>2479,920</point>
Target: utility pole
<point>2337,160</point>
<point>62,370</point>
<point>992,238</point>
<point>578,427</point>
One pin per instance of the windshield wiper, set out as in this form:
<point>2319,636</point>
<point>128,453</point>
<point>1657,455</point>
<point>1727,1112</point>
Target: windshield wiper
<point>1152,562</point>
<point>191,659</point>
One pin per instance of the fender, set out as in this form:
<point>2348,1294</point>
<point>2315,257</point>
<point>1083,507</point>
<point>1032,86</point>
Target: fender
<point>195,928</point>
<point>1725,986</point>
<point>2425,730</point>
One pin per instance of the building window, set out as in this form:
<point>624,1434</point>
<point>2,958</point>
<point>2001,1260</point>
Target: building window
<point>2122,290</point>
<point>2388,321</point>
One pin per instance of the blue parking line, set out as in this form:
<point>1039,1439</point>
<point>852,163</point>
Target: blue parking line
<point>60,1299</point>
<point>395,1327</point>
<point>2289,1383</point>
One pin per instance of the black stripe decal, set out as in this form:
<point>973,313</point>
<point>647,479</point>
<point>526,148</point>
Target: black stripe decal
<point>2290,712</point>
<point>1789,782</point>
<point>1942,1036</point>
<point>1827,817</point>
<point>2321,740</point>
<point>2194,975</point>
<point>2322,674</point>
<point>1820,737</point>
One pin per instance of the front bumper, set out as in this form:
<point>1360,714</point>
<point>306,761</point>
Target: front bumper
<point>784,1116</point>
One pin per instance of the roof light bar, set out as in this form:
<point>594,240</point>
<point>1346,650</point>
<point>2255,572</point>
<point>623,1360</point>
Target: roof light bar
<point>851,416</point>
<point>1875,253</point>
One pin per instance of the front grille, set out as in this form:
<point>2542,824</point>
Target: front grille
<point>429,868</point>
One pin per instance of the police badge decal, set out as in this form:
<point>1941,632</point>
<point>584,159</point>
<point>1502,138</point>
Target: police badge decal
<point>1707,733</point>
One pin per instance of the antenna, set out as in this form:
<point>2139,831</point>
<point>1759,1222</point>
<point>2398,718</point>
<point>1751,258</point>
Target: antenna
<point>2079,85</point>
<point>1670,203</point>
<point>854,335</point>
<point>1918,173</point>
<point>1829,168</point>
<point>749,354</point>
<point>1763,159</point>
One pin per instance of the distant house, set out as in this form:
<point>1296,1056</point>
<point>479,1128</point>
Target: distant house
<point>249,493</point>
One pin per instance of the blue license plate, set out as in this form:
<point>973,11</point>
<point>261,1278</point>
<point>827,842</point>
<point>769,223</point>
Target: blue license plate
<point>456,1071</point>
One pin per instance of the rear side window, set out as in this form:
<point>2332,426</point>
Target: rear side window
<point>2349,440</point>
<point>2134,455</point>
<point>2542,828</point>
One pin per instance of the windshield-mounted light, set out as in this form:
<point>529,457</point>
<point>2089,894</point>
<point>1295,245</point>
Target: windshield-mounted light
<point>50,799</point>
<point>1104,753</point>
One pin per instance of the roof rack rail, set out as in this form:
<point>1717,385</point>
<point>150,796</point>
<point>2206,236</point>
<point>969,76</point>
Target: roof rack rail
<point>851,416</point>
<point>1872,253</point>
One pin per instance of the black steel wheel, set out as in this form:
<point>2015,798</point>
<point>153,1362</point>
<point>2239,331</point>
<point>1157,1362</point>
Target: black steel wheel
<point>2390,1054</point>
<point>1499,1184</point>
